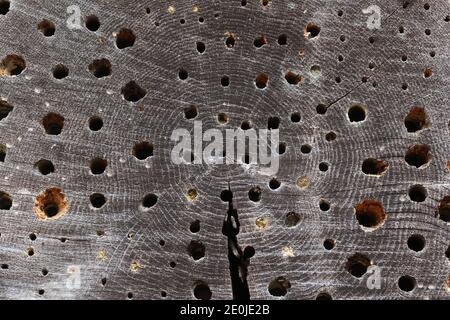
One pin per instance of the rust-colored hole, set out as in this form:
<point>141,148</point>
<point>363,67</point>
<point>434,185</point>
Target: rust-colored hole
<point>416,119</point>
<point>418,155</point>
<point>50,204</point>
<point>373,166</point>
<point>261,80</point>
<point>427,72</point>
<point>12,65</point>
<point>293,78</point>
<point>47,28</point>
<point>357,265</point>
<point>125,38</point>
<point>370,213</point>
<point>444,209</point>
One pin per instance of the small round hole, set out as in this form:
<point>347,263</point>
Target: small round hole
<point>230,41</point>
<point>260,41</point>
<point>305,149</point>
<point>95,123</point>
<point>226,195</point>
<point>293,78</point>
<point>201,47</point>
<point>312,30</point>
<point>296,117</point>
<point>356,113</point>
<point>45,167</point>
<point>279,286</point>
<point>274,184</point>
<point>143,150</point>
<point>100,68</point>
<point>60,72</point>
<point>292,219</point>
<point>373,166</point>
<point>196,250</point>
<point>255,194</point>
<point>92,23</point>
<point>407,283</point>
<point>323,166</point>
<point>417,193</point>
<point>282,40</point>
<point>98,166</point>
<point>190,112</point>
<point>53,123</point>
<point>357,265</point>
<point>329,244</point>
<point>330,136</point>
<point>183,74</point>
<point>5,201</point>
<point>261,81</point>
<point>225,81</point>
<point>324,205</point>
<point>132,92</point>
<point>202,291</point>
<point>47,28</point>
<point>321,109</point>
<point>195,226</point>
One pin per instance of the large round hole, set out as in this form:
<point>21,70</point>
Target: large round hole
<point>143,150</point>
<point>125,38</point>
<point>100,68</point>
<point>133,92</point>
<point>53,123</point>
<point>50,204</point>
<point>279,286</point>
<point>373,166</point>
<point>98,166</point>
<point>370,213</point>
<point>416,119</point>
<point>202,291</point>
<point>416,242</point>
<point>356,113</point>
<point>97,200</point>
<point>418,155</point>
<point>407,283</point>
<point>357,265</point>
<point>45,167</point>
<point>5,201</point>
<point>196,249</point>
<point>47,28</point>
<point>417,193</point>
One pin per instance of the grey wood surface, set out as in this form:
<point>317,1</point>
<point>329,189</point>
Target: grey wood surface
<point>123,251</point>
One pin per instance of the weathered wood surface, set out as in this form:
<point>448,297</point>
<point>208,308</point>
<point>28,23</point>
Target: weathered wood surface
<point>121,243</point>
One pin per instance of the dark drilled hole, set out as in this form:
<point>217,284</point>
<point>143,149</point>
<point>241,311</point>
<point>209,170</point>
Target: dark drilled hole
<point>60,72</point>
<point>143,150</point>
<point>95,123</point>
<point>279,286</point>
<point>100,68</point>
<point>370,213</point>
<point>255,194</point>
<point>356,113</point>
<point>261,81</point>
<point>196,249</point>
<point>416,119</point>
<point>98,166</point>
<point>418,155</point>
<point>97,200</point>
<point>202,291</point>
<point>149,200</point>
<point>125,38</point>
<point>92,23</point>
<point>5,201</point>
<point>407,283</point>
<point>374,166</point>
<point>47,28</point>
<point>416,242</point>
<point>292,219</point>
<point>133,92</point>
<point>357,265</point>
<point>5,109</point>
<point>13,65</point>
<point>45,167</point>
<point>53,123</point>
<point>417,193</point>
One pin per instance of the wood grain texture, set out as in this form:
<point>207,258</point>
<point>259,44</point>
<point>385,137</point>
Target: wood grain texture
<point>121,242</point>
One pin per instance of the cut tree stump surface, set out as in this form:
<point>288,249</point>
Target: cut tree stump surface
<point>92,207</point>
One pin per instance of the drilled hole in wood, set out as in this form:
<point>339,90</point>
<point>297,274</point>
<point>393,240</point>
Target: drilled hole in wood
<point>201,47</point>
<point>329,244</point>
<point>47,28</point>
<point>100,68</point>
<point>279,286</point>
<point>273,123</point>
<point>296,117</point>
<point>50,204</point>
<point>330,136</point>
<point>357,265</point>
<point>255,194</point>
<point>260,41</point>
<point>324,296</point>
<point>374,166</point>
<point>45,167</point>
<point>4,266</point>
<point>370,213</point>
<point>5,201</point>
<point>312,30</point>
<point>324,205</point>
<point>306,148</point>
<point>356,113</point>
<point>261,81</point>
<point>293,78</point>
<point>183,74</point>
<point>97,200</point>
<point>5,109</point>
<point>416,119</point>
<point>92,23</point>
<point>246,125</point>
<point>281,148</point>
<point>225,81</point>
<point>53,123</point>
<point>125,38</point>
<point>3,150</point>
<point>282,40</point>
<point>427,72</point>
<point>95,123</point>
<point>143,150</point>
<point>222,118</point>
<point>323,166</point>
<point>133,92</point>
<point>321,109</point>
<point>12,65</point>
<point>407,283</point>
<point>416,242</point>
<point>202,291</point>
<point>4,6</point>
<point>274,184</point>
<point>418,155</point>
<point>417,193</point>
<point>196,250</point>
<point>226,195</point>
<point>98,166</point>
<point>190,112</point>
<point>149,200</point>
<point>444,209</point>
<point>292,219</point>
<point>60,71</point>
<point>195,226</point>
